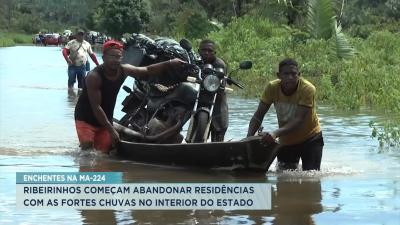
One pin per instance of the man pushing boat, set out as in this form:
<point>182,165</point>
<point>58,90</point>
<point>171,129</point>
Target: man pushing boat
<point>95,107</point>
<point>299,131</point>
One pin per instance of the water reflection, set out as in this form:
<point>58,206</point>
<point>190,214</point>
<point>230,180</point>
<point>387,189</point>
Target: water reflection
<point>72,97</point>
<point>294,200</point>
<point>103,217</point>
<point>92,161</point>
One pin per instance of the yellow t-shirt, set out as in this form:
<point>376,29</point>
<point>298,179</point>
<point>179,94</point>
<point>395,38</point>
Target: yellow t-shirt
<point>286,106</point>
<point>78,51</point>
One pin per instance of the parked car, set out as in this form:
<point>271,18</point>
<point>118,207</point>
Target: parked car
<point>51,39</point>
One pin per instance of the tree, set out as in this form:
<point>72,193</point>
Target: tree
<point>223,11</point>
<point>322,24</point>
<point>6,9</point>
<point>122,16</point>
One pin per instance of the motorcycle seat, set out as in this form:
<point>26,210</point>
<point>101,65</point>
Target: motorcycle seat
<point>184,93</point>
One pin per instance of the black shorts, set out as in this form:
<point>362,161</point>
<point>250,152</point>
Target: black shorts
<point>309,151</point>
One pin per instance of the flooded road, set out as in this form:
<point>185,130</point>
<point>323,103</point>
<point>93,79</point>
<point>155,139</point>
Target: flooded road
<point>357,184</point>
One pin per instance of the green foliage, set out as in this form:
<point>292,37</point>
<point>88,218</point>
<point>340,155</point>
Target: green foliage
<point>8,39</point>
<point>54,16</point>
<point>26,23</point>
<point>180,18</point>
<point>362,17</point>
<point>6,42</point>
<point>198,26</point>
<point>321,19</point>
<point>21,38</point>
<point>393,8</point>
<point>342,46</point>
<point>369,78</point>
<point>322,24</point>
<point>163,16</point>
<point>388,135</point>
<point>252,38</point>
<point>122,16</point>
<point>286,2</point>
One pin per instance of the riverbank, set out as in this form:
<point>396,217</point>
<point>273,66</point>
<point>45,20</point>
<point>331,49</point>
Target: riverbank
<point>8,39</point>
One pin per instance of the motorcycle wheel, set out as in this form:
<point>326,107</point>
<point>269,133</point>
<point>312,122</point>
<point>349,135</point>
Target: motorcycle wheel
<point>201,126</point>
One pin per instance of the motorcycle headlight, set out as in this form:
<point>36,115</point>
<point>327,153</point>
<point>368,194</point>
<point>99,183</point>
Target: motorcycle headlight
<point>211,83</point>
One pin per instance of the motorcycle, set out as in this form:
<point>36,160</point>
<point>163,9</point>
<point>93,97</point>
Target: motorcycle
<point>157,109</point>
<point>210,81</point>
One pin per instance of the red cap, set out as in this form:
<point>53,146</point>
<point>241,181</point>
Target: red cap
<point>112,44</point>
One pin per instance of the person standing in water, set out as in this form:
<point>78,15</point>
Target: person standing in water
<point>299,131</point>
<point>94,110</point>
<point>75,53</point>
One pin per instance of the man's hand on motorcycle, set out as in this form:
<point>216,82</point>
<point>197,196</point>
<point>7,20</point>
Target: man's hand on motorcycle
<point>176,63</point>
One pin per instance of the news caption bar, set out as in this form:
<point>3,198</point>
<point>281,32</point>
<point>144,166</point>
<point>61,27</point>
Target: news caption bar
<point>106,190</point>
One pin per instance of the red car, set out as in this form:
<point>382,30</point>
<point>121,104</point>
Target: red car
<point>51,39</point>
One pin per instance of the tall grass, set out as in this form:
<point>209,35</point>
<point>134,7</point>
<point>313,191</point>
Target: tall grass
<point>8,39</point>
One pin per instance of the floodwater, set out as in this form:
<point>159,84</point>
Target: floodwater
<point>357,184</point>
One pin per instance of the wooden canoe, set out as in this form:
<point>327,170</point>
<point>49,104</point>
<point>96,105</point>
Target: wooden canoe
<point>248,153</point>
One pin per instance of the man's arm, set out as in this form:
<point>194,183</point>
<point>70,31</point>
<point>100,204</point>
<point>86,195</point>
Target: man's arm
<point>94,58</point>
<point>65,52</point>
<point>158,68</point>
<point>93,83</point>
<point>92,54</point>
<point>257,118</point>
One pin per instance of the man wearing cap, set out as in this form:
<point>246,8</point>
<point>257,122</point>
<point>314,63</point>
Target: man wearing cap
<point>95,107</point>
<point>75,53</point>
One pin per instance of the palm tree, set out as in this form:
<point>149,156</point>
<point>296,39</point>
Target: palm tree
<point>321,23</point>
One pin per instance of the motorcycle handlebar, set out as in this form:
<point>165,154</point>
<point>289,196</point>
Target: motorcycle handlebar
<point>127,89</point>
<point>230,81</point>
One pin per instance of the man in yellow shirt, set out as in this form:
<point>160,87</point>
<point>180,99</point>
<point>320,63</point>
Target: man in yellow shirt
<point>299,131</point>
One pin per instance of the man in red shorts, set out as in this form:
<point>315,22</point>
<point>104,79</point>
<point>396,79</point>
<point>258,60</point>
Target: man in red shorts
<point>95,107</point>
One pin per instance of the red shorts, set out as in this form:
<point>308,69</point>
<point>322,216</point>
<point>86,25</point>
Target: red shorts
<point>98,137</point>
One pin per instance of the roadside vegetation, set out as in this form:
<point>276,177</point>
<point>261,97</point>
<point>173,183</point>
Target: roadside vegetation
<point>8,39</point>
<point>349,49</point>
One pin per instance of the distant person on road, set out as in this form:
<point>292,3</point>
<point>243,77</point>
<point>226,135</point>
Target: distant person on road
<point>75,53</point>
<point>299,131</point>
<point>93,39</point>
<point>41,38</point>
<point>95,108</point>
